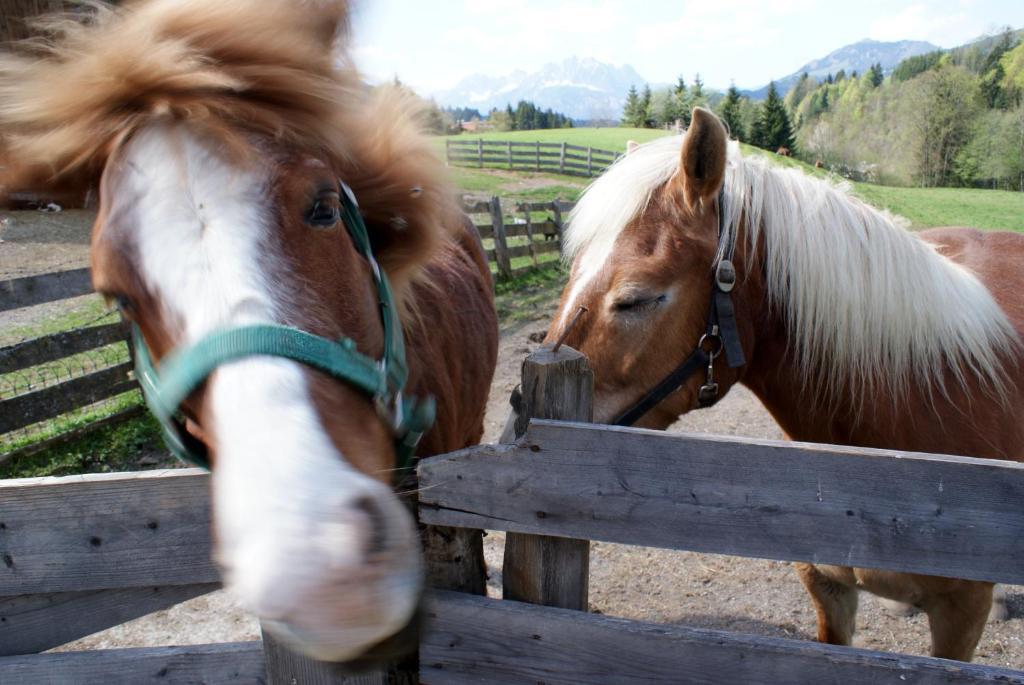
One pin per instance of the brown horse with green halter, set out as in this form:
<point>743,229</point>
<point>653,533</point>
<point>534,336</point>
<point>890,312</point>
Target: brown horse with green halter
<point>701,269</point>
<point>303,284</point>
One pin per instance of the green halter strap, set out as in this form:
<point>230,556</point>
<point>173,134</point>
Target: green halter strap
<point>183,370</point>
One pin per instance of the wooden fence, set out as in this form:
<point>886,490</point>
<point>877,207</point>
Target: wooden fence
<point>559,158</point>
<point>37,381</point>
<point>86,552</point>
<point>518,246</point>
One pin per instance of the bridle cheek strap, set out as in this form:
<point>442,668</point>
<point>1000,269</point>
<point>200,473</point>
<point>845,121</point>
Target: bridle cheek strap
<point>722,333</point>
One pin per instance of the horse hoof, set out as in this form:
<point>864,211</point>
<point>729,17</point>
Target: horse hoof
<point>894,608</point>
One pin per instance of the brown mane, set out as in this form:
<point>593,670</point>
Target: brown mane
<point>278,69</point>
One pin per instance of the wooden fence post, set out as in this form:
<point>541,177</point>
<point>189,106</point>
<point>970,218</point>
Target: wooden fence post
<point>538,154</point>
<point>480,152</point>
<point>285,667</point>
<point>509,148</point>
<point>561,160</point>
<point>448,151</point>
<point>538,568</point>
<point>525,208</point>
<point>500,244</point>
<point>590,161</point>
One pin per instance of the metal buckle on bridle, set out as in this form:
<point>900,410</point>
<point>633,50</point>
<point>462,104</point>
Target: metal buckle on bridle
<point>708,392</point>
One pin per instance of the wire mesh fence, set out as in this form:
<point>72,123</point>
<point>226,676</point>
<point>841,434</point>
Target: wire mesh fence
<point>60,380</point>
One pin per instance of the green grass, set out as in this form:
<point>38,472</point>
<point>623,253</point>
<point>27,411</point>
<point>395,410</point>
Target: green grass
<point>527,297</point>
<point>91,311</point>
<point>927,207</point>
<point>111,448</point>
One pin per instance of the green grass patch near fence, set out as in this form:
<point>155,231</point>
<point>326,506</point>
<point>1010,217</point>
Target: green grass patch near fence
<point>927,207</point>
<point>131,445</point>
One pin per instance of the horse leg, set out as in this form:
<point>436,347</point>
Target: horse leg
<point>1000,610</point>
<point>834,602</point>
<point>957,619</point>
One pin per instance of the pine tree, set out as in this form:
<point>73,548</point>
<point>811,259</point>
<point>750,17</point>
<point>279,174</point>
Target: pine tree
<point>631,110</point>
<point>772,129</point>
<point>511,117</point>
<point>683,103</point>
<point>876,74</point>
<point>730,112</point>
<point>644,111</point>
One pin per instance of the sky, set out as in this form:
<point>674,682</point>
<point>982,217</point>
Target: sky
<point>431,45</point>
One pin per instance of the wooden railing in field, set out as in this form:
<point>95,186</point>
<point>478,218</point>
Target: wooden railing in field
<point>558,158</point>
<point>533,238</point>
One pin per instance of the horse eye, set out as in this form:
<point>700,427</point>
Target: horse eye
<point>640,304</point>
<point>326,211</point>
<point>124,304</point>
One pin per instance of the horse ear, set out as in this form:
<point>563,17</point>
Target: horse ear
<point>703,157</point>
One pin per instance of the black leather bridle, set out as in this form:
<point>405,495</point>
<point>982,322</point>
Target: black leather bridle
<point>721,335</point>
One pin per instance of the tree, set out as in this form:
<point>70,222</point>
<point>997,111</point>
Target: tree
<point>729,111</point>
<point>644,112</point>
<point>948,104</point>
<point>511,117</point>
<point>876,74</point>
<point>632,115</point>
<point>772,129</point>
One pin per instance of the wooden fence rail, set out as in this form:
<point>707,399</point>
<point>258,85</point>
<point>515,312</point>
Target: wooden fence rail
<point>541,237</point>
<point>561,158</point>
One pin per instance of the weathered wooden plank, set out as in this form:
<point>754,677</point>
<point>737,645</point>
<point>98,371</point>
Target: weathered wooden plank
<point>500,160</point>
<point>102,531</point>
<point>231,662</point>
<point>59,345</point>
<point>476,207</point>
<point>24,410</point>
<point>285,667</point>
<point>546,246</point>
<point>478,640</point>
<point>931,514</point>
<point>32,290</point>
<point>35,623</point>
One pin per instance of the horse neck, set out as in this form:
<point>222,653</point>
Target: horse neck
<point>970,423</point>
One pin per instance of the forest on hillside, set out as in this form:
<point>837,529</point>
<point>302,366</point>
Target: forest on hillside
<point>947,118</point>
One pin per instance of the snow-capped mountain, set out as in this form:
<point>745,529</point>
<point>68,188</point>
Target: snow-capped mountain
<point>855,57</point>
<point>584,89</point>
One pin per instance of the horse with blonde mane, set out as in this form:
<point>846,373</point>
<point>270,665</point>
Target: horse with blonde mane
<point>258,205</point>
<point>848,328</point>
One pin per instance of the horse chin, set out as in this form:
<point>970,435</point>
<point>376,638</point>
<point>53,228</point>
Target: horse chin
<point>353,658</point>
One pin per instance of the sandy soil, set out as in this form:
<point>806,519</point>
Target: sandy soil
<point>748,595</point>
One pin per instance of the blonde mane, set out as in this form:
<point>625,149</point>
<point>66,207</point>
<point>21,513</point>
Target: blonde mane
<point>866,301</point>
<point>276,69</point>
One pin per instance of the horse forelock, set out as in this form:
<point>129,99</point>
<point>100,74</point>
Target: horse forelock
<point>869,306</point>
<point>237,70</point>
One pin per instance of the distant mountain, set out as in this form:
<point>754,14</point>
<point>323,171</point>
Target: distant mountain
<point>584,89</point>
<point>856,57</point>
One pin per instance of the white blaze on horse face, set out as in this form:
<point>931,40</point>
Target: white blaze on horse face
<point>326,554</point>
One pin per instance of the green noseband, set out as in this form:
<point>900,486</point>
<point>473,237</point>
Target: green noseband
<point>183,370</point>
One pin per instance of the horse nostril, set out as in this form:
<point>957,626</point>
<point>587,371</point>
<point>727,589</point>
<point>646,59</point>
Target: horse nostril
<point>377,535</point>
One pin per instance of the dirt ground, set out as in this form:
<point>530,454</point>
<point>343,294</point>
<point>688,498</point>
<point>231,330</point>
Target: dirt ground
<point>730,593</point>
